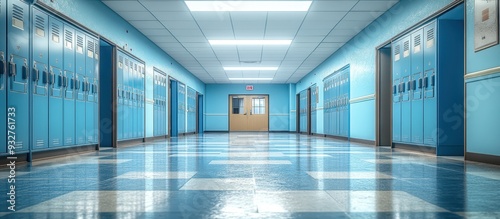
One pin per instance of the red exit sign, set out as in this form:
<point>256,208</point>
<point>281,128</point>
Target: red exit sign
<point>249,87</point>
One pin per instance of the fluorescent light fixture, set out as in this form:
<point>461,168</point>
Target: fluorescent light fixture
<point>250,79</point>
<point>250,42</point>
<point>248,5</point>
<point>250,68</point>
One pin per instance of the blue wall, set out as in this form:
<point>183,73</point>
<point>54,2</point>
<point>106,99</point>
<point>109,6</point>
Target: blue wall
<point>482,94</point>
<point>217,100</point>
<point>97,17</point>
<point>359,52</point>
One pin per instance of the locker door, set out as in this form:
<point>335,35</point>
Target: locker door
<point>40,79</point>
<point>156,117</point>
<point>95,90</point>
<point>18,70</point>
<point>336,113</point>
<point>313,109</point>
<point>69,85</point>
<point>327,105</point>
<point>417,111</point>
<point>396,91</point>
<point>429,82</point>
<point>136,100</point>
<point>80,86</point>
<point>120,111</point>
<point>89,95</point>
<point>346,103</point>
<point>182,108</point>
<point>174,108</point>
<point>142,72</point>
<point>405,91</point>
<point>127,117</point>
<point>55,83</point>
<point>325,108</point>
<point>3,73</point>
<point>135,124</point>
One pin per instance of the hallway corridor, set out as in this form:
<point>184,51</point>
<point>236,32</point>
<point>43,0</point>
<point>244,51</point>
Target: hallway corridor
<point>254,175</point>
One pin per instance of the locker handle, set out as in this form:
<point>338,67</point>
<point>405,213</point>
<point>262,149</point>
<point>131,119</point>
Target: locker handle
<point>25,72</point>
<point>2,67</point>
<point>45,77</point>
<point>95,88</point>
<point>77,84</point>
<point>409,84</point>
<point>414,84</point>
<point>73,84</point>
<point>65,81</point>
<point>426,82</point>
<point>403,87</point>
<point>420,83</point>
<point>433,80</point>
<point>36,74</point>
<point>13,70</point>
<point>52,78</point>
<point>60,77</point>
<point>394,89</point>
<point>400,88</point>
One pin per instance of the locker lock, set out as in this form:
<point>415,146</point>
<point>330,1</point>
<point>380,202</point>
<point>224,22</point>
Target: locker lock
<point>35,73</point>
<point>12,67</point>
<point>2,65</point>
<point>25,70</point>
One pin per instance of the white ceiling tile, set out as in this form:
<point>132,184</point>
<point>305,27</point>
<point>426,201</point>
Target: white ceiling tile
<point>353,25</point>
<point>179,33</point>
<point>164,5</point>
<point>373,5</point>
<point>125,6</point>
<point>159,40</point>
<point>173,16</point>
<point>332,5</point>
<point>285,19</point>
<point>313,31</point>
<point>307,39</point>
<point>136,16</point>
<point>180,24</point>
<point>188,39</point>
<point>362,16</point>
<point>156,32</point>
<point>146,24</point>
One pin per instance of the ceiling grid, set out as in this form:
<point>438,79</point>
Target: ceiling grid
<point>316,34</point>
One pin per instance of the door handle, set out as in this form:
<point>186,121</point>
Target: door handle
<point>36,75</point>
<point>13,70</point>
<point>25,72</point>
<point>45,77</point>
<point>2,67</point>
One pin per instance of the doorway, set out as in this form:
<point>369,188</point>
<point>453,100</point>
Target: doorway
<point>384,97</point>
<point>248,113</point>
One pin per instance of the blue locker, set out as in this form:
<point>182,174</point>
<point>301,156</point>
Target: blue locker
<point>95,89</point>
<point>132,103</point>
<point>56,74</point>
<point>346,92</point>
<point>39,79</point>
<point>396,91</point>
<point>19,70</point>
<point>429,82</point>
<point>88,93</point>
<point>182,108</point>
<point>326,100</point>
<point>120,111</point>
<point>417,110</point>
<point>135,102</point>
<point>336,110</point>
<point>69,85</point>
<point>174,102</point>
<point>142,76</point>
<point>127,116</point>
<point>3,73</point>
<point>314,96</point>
<point>155,106</point>
<point>80,86</point>
<point>405,91</point>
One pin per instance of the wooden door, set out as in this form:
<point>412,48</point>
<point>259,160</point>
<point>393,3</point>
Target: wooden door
<point>248,113</point>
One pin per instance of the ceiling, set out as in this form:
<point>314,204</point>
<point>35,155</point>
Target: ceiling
<point>184,35</point>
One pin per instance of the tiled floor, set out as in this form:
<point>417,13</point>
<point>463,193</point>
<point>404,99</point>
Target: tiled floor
<point>254,175</point>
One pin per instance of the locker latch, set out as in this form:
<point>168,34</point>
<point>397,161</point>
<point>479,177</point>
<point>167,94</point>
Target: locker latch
<point>45,77</point>
<point>420,83</point>
<point>433,80</point>
<point>2,67</point>
<point>13,68</point>
<point>25,72</point>
<point>60,77</point>
<point>426,82</point>
<point>35,73</point>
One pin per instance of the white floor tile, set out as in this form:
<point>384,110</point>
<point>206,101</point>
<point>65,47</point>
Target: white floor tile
<point>157,175</point>
<point>381,201</point>
<point>295,201</point>
<point>219,184</point>
<point>348,175</point>
<point>250,162</point>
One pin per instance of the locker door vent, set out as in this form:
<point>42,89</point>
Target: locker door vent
<point>40,143</point>
<point>18,17</point>
<point>430,37</point>
<point>120,62</point>
<point>397,53</point>
<point>69,39</point>
<point>79,44</point>
<point>40,26</point>
<point>55,32</point>
<point>406,48</point>
<point>90,48</point>
<point>417,41</point>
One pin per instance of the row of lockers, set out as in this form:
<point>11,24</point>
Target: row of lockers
<point>131,101</point>
<point>336,88</point>
<point>48,81</point>
<point>160,103</point>
<point>427,82</point>
<point>314,108</point>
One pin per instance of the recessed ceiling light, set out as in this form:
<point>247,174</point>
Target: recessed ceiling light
<point>250,68</point>
<point>250,79</point>
<point>248,5</point>
<point>250,42</point>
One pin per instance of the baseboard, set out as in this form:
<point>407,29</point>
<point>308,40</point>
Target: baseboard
<point>216,132</point>
<point>50,153</point>
<point>284,131</point>
<point>130,142</point>
<point>362,141</point>
<point>483,158</point>
<point>337,137</point>
<point>149,139</point>
<point>419,148</point>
